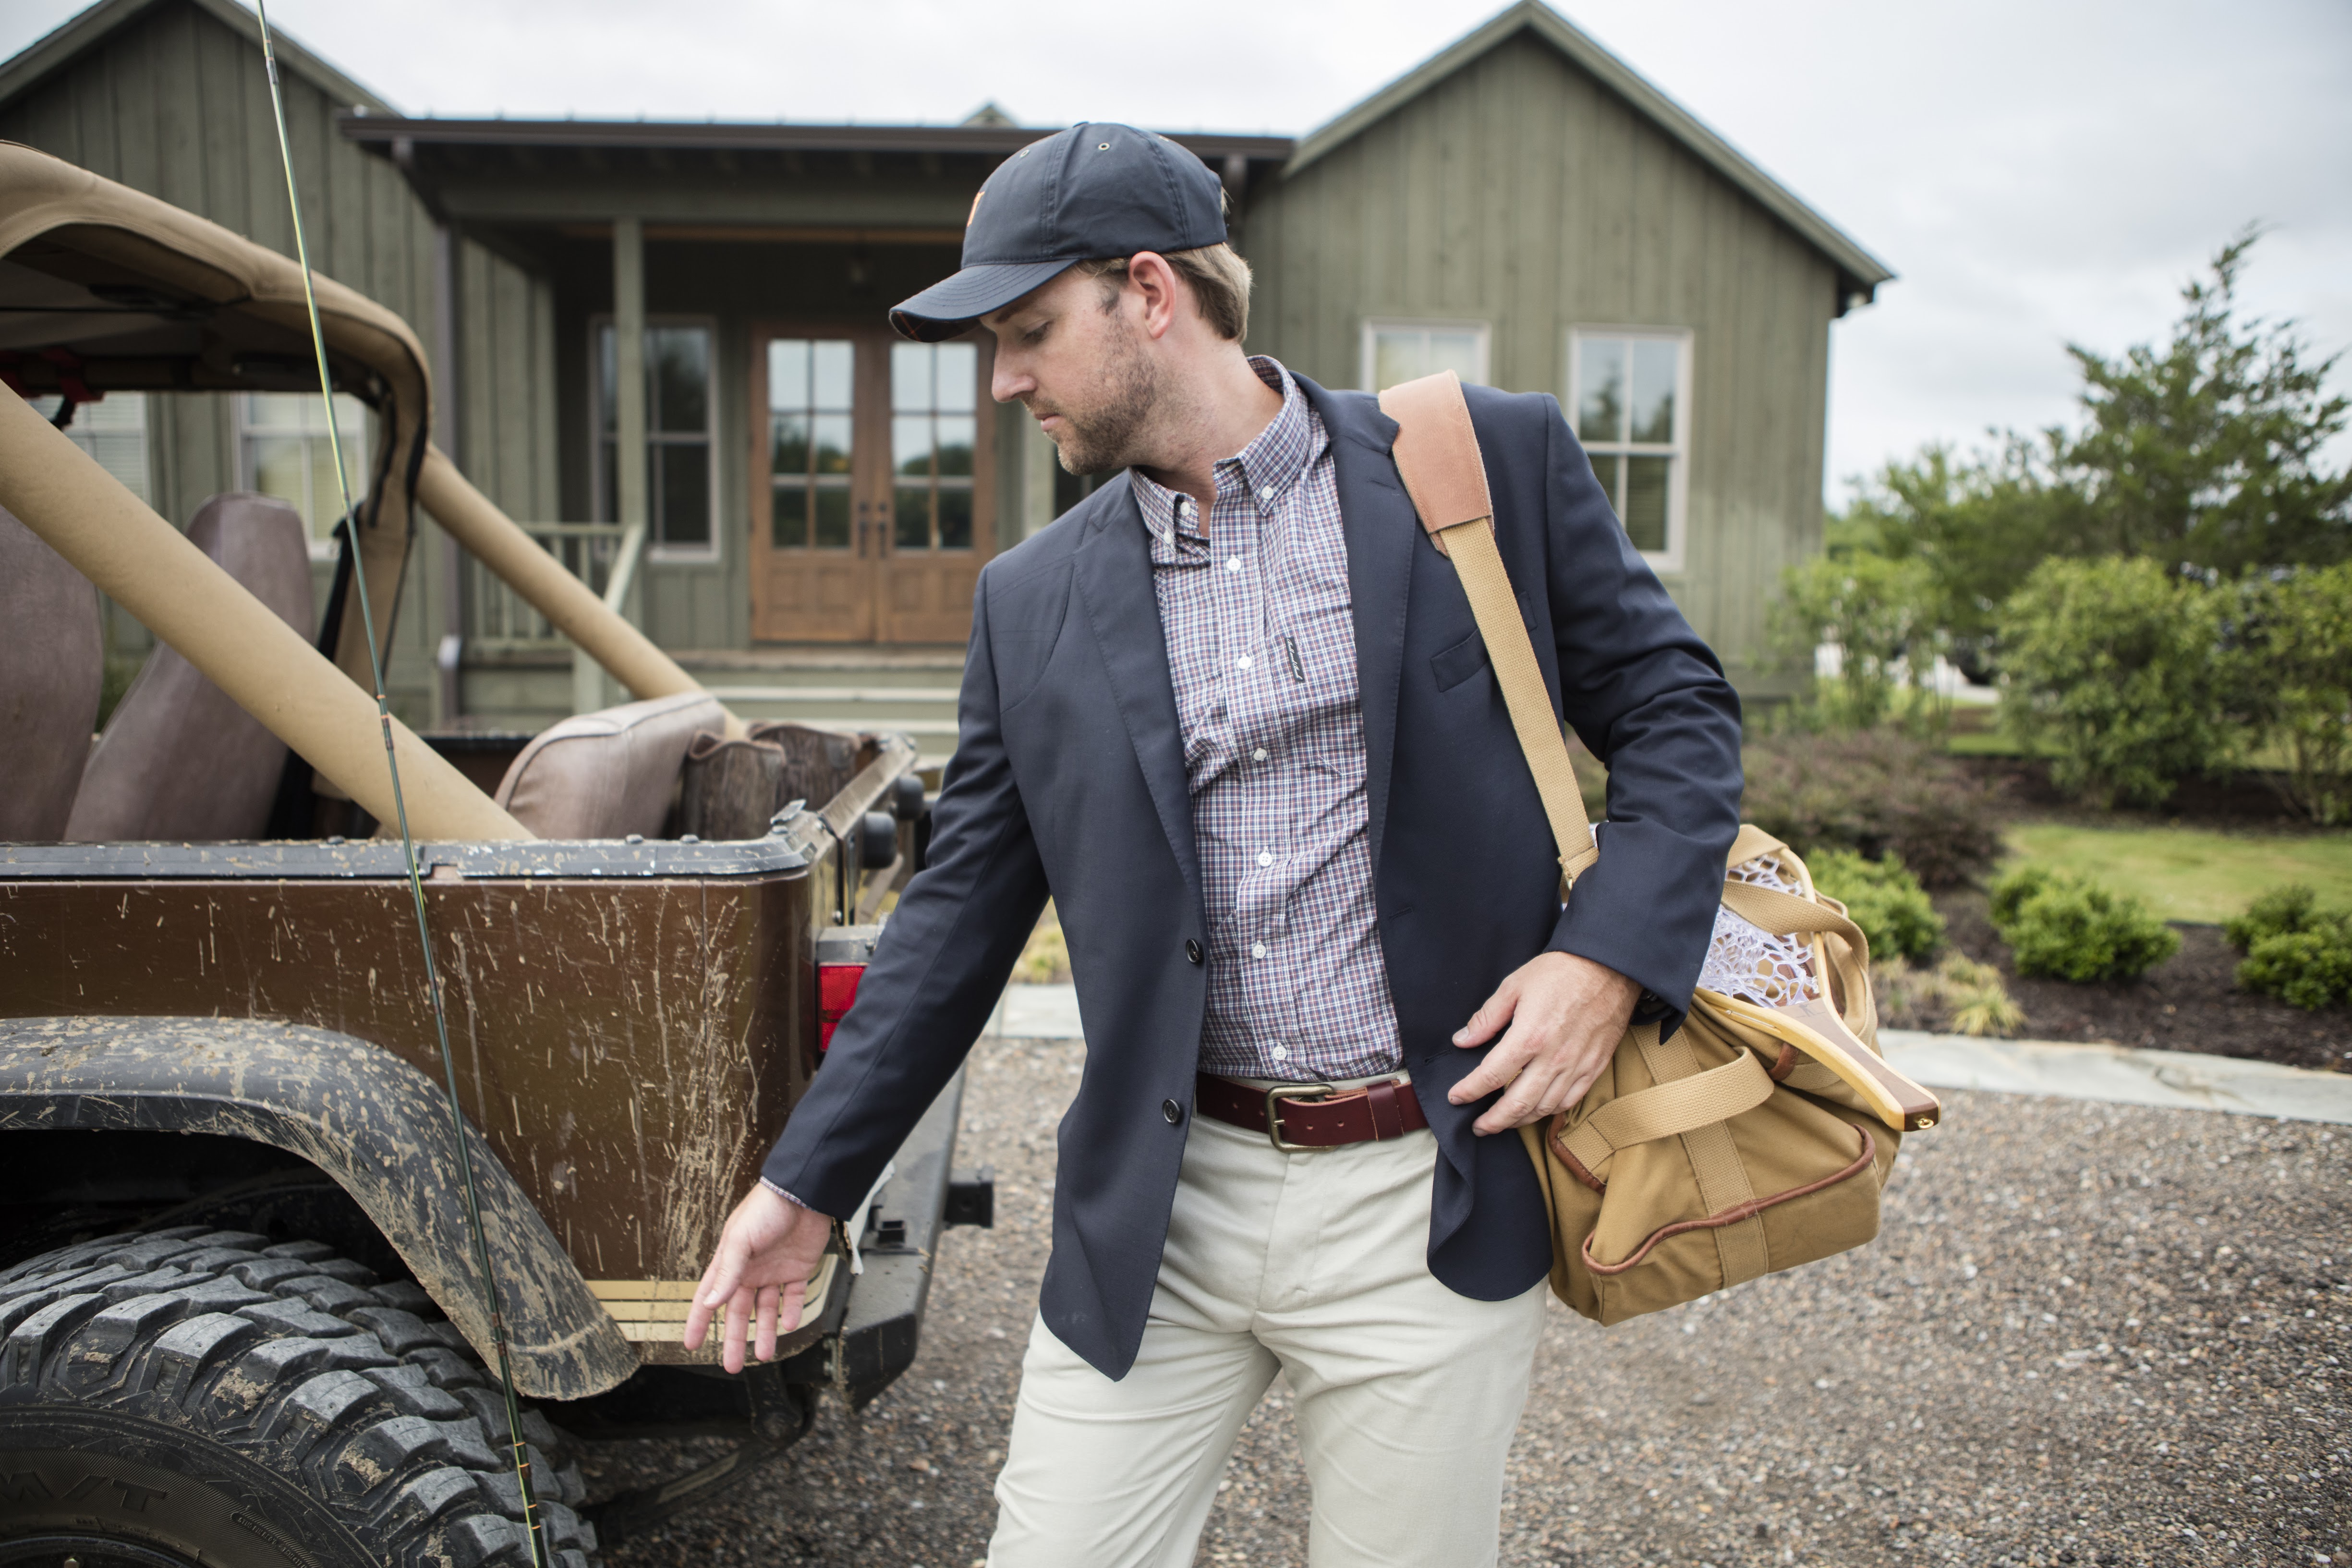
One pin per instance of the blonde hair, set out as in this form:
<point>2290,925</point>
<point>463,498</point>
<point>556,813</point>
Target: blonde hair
<point>1219,277</point>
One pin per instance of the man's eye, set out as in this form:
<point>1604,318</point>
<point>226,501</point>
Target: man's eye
<point>1033,335</point>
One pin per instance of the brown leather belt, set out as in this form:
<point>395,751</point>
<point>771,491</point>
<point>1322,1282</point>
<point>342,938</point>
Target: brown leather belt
<point>1311,1115</point>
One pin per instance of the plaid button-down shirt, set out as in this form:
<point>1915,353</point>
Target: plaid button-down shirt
<point>1262,646</point>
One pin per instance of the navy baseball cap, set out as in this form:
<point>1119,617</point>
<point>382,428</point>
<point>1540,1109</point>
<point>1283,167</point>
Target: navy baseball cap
<point>1091,192</point>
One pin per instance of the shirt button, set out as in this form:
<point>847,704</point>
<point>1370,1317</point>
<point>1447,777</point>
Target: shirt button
<point>1257,950</point>
<point>1280,1053</point>
<point>1259,755</point>
<point>1243,661</point>
<point>1266,857</point>
<point>1172,1111</point>
<point>1191,950</point>
<point>1233,563</point>
<point>1266,493</point>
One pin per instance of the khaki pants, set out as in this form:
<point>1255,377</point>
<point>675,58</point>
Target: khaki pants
<point>1312,1265</point>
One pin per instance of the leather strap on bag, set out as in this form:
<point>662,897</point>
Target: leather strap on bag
<point>1437,454</point>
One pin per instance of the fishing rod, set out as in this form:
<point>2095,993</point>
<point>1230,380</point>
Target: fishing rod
<point>534,1523</point>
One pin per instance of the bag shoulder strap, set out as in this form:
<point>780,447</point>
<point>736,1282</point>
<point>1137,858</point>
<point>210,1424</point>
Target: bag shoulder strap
<point>1437,454</point>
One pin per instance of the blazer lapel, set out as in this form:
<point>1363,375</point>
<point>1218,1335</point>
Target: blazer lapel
<point>1377,518</point>
<point>1114,578</point>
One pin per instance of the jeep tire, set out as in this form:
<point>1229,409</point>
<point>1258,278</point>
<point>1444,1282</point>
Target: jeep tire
<point>199,1396</point>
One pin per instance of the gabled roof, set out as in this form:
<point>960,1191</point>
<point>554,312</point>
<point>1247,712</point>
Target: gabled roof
<point>87,29</point>
<point>1863,270</point>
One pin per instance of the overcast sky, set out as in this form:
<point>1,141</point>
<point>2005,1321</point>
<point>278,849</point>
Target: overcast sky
<point>2035,171</point>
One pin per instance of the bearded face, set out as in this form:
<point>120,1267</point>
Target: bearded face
<point>1104,415</point>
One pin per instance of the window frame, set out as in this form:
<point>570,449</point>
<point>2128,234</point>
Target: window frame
<point>1372,326</point>
<point>358,449</point>
<point>602,506</point>
<point>1672,559</point>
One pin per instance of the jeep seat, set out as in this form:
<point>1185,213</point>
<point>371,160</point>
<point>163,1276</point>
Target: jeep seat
<point>52,662</point>
<point>179,759</point>
<point>609,774</point>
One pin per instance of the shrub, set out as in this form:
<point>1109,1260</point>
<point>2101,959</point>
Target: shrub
<point>1876,793</point>
<point>1884,899</point>
<point>2302,644</point>
<point>2296,949</point>
<point>2070,927</point>
<point>1880,615</point>
<point>2119,665</point>
<point>1959,994</point>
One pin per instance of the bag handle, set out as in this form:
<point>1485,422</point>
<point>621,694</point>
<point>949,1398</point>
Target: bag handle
<point>1437,454</point>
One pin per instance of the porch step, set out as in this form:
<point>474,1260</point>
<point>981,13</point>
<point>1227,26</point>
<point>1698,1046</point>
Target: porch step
<point>911,690</point>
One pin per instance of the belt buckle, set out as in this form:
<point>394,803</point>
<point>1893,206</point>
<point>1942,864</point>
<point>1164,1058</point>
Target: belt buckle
<point>1274,1098</point>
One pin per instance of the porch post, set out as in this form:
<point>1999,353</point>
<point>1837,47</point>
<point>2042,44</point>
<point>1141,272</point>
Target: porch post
<point>588,686</point>
<point>1039,464</point>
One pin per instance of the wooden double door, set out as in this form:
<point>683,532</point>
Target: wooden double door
<point>873,486</point>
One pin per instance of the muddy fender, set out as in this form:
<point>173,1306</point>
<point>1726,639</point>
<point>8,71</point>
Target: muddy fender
<point>368,1119</point>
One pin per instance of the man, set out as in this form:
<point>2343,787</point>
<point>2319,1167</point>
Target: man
<point>1234,715</point>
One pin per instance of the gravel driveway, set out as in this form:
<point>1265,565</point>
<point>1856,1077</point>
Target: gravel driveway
<point>2088,1334</point>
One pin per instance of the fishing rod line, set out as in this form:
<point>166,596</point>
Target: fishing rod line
<point>534,1525</point>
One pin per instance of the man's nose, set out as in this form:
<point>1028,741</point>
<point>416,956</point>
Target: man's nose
<point>1007,382</point>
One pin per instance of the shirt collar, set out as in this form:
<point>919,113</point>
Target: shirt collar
<point>1267,467</point>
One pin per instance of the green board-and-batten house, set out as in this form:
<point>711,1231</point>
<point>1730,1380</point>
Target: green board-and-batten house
<point>1522,207</point>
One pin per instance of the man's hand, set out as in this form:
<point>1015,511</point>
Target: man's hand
<point>766,1256</point>
<point>1565,1015</point>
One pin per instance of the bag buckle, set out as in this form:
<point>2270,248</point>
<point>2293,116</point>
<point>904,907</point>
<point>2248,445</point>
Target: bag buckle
<point>1274,1098</point>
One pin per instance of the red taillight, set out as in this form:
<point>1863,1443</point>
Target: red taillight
<point>836,988</point>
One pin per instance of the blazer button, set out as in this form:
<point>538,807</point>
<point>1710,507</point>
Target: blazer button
<point>1172,1111</point>
<point>1192,952</point>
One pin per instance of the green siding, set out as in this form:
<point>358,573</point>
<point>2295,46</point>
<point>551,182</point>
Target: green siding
<point>1521,192</point>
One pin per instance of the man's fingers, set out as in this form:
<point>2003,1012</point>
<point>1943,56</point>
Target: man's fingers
<point>1491,1015</point>
<point>767,1332</point>
<point>739,1325</point>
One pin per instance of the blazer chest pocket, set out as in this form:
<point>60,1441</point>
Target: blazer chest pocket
<point>1459,663</point>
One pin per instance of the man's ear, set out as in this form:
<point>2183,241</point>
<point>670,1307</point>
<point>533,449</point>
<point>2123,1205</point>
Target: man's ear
<point>1158,289</point>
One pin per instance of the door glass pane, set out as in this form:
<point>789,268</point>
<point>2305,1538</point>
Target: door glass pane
<point>831,455</point>
<point>955,516</point>
<point>910,378</point>
<point>958,391</point>
<point>811,394</point>
<point>934,390</point>
<point>1601,389</point>
<point>1656,362</point>
<point>912,511</point>
<point>788,517</point>
<point>955,438</point>
<point>1644,511</point>
<point>910,446</point>
<point>833,516</point>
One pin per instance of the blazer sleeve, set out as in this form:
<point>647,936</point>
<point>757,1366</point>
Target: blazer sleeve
<point>1650,699</point>
<point>941,964</point>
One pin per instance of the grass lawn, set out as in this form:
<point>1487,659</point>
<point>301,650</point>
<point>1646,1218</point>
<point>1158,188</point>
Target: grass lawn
<point>2189,873</point>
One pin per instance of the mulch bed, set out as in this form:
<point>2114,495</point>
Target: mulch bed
<point>2188,1002</point>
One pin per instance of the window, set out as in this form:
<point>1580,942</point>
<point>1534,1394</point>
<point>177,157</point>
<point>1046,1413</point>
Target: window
<point>283,451</point>
<point>1629,393</point>
<point>680,521</point>
<point>934,425</point>
<point>811,398</point>
<point>114,431</point>
<point>1407,351</point>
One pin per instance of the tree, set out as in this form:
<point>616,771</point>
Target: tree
<point>2209,452</point>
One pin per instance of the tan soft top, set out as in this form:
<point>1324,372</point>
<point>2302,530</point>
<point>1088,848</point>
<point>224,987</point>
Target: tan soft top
<point>110,290</point>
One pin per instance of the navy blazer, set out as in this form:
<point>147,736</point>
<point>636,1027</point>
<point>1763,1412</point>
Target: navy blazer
<point>1068,778</point>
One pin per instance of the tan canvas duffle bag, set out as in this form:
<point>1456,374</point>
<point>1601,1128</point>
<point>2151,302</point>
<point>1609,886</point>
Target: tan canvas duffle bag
<point>1759,1136</point>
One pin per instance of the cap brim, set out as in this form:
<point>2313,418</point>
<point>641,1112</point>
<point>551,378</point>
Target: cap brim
<point>953,304</point>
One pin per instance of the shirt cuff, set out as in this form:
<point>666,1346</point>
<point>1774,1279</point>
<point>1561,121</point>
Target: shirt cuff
<point>782,1194</point>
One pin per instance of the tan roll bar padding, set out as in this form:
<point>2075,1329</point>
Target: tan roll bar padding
<point>180,594</point>
<point>547,586</point>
